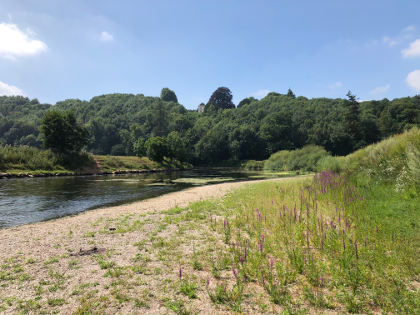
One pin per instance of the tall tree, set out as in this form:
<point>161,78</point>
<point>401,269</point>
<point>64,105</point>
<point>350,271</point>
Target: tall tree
<point>61,133</point>
<point>290,93</point>
<point>168,95</point>
<point>352,121</point>
<point>220,99</point>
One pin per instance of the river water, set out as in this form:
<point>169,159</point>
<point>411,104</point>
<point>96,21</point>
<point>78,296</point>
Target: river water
<point>31,200</point>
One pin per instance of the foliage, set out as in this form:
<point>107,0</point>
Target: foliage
<point>304,159</point>
<point>62,134</point>
<point>139,147</point>
<point>168,95</point>
<point>253,165</point>
<point>220,99</point>
<point>176,147</point>
<point>254,130</point>
<point>394,160</point>
<point>157,148</point>
<point>27,158</point>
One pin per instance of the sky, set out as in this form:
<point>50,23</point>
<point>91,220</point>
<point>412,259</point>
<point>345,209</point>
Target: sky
<point>53,50</point>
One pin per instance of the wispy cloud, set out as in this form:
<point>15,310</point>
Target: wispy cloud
<point>413,50</point>
<point>389,41</point>
<point>413,80</point>
<point>15,43</point>
<point>410,28</point>
<point>260,93</point>
<point>10,90</point>
<point>106,37</point>
<point>380,90</point>
<point>335,85</point>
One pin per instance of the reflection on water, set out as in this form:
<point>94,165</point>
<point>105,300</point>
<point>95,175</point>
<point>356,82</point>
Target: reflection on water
<point>37,199</point>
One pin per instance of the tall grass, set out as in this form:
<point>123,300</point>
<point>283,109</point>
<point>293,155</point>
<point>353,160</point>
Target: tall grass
<point>27,158</point>
<point>322,244</point>
<point>34,160</point>
<point>395,160</point>
<point>305,159</point>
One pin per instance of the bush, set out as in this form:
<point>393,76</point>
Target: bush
<point>30,158</point>
<point>330,163</point>
<point>157,148</point>
<point>305,159</point>
<point>25,157</point>
<point>253,165</point>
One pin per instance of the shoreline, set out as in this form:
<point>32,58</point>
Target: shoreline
<point>193,194</point>
<point>57,174</point>
<point>67,264</point>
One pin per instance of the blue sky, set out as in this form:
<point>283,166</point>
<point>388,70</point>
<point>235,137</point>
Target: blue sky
<point>54,50</point>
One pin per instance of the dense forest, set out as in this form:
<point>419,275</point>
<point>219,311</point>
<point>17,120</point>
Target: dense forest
<point>119,124</point>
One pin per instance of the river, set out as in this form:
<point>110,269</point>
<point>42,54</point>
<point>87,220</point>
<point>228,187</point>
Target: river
<point>31,200</point>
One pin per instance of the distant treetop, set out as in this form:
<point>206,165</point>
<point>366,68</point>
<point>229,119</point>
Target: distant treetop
<point>168,95</point>
<point>290,93</point>
<point>220,99</point>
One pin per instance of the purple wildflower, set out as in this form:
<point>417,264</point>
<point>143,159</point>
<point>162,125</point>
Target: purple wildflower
<point>234,273</point>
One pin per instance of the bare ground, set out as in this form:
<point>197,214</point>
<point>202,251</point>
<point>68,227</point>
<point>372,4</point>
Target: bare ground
<point>123,259</point>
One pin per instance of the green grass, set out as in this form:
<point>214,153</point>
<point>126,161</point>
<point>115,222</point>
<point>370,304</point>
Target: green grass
<point>395,160</point>
<point>326,243</point>
<point>32,161</point>
<point>110,163</point>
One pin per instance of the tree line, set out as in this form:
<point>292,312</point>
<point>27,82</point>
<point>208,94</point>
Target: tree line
<point>128,124</point>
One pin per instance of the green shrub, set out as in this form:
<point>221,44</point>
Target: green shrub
<point>330,163</point>
<point>305,159</point>
<point>253,165</point>
<point>30,158</point>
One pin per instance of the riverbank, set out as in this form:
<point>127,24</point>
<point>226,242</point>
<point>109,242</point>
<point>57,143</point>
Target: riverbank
<point>99,165</point>
<point>67,264</point>
<point>285,245</point>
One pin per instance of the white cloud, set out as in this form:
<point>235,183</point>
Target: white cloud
<point>10,90</point>
<point>380,89</point>
<point>260,93</point>
<point>413,50</point>
<point>15,43</point>
<point>410,28</point>
<point>388,41</point>
<point>336,85</point>
<point>413,80</point>
<point>106,37</point>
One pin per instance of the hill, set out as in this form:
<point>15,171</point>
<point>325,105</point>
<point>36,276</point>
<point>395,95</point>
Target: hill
<point>253,130</point>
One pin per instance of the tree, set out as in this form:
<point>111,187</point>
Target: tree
<point>139,147</point>
<point>61,133</point>
<point>168,95</point>
<point>290,93</point>
<point>156,148</point>
<point>159,120</point>
<point>247,100</point>
<point>176,146</point>
<point>352,121</point>
<point>220,99</point>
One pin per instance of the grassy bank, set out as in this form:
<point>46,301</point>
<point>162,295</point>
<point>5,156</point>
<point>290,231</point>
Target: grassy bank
<point>109,163</point>
<point>32,161</point>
